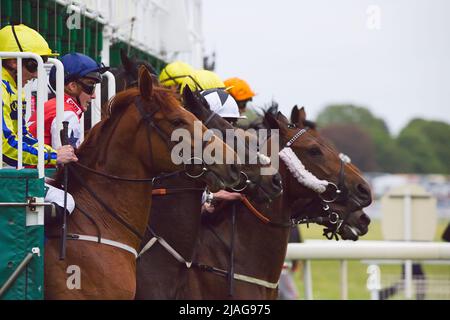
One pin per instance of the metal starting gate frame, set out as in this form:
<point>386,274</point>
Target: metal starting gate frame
<point>22,189</point>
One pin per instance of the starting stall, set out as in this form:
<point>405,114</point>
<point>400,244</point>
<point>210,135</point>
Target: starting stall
<point>22,190</point>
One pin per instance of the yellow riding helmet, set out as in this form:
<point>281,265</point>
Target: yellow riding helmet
<point>239,89</point>
<point>203,80</point>
<point>20,38</point>
<point>174,73</point>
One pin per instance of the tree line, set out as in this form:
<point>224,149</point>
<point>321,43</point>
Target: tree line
<point>422,146</point>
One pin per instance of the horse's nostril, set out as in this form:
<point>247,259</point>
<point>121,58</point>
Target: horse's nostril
<point>276,180</point>
<point>364,192</point>
<point>364,219</point>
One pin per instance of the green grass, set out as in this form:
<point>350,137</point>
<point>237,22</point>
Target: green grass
<point>326,274</point>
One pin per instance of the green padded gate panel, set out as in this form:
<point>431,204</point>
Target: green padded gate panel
<point>114,52</point>
<point>49,18</point>
<point>16,239</point>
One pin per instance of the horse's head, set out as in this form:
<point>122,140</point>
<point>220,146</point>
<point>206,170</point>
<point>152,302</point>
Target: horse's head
<point>316,171</point>
<point>157,113</point>
<point>264,187</point>
<point>127,74</point>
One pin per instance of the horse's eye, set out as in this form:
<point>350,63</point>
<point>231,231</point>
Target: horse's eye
<point>315,151</point>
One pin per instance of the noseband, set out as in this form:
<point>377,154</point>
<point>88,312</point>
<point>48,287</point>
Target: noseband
<point>148,119</point>
<point>339,194</point>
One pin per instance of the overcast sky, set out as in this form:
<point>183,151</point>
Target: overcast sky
<point>392,56</point>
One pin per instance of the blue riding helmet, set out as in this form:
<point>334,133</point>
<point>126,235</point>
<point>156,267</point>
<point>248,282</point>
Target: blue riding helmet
<point>76,66</point>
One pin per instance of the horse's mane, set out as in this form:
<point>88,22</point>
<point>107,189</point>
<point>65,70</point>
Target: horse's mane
<point>117,106</point>
<point>160,96</point>
<point>274,112</point>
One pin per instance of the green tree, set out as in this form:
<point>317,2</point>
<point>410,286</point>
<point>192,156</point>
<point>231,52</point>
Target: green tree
<point>426,144</point>
<point>388,157</point>
<point>354,142</point>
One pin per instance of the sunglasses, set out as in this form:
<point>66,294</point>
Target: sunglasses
<point>87,88</point>
<point>31,65</point>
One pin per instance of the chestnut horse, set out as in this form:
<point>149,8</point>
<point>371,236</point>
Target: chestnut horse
<point>111,185</point>
<point>176,212</point>
<point>240,253</point>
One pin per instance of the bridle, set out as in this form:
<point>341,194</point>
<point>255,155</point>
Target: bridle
<point>245,178</point>
<point>340,194</point>
<point>148,118</point>
<point>333,218</point>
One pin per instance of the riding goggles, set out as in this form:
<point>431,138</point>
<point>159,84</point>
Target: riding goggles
<point>87,88</point>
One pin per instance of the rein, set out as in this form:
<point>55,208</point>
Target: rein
<point>148,119</point>
<point>313,182</point>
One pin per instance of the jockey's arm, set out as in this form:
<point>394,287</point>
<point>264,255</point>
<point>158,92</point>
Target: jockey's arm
<point>211,201</point>
<point>10,141</point>
<point>74,130</point>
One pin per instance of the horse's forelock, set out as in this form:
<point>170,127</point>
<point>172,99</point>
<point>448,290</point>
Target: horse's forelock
<point>121,101</point>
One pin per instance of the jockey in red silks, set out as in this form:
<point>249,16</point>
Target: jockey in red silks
<point>81,74</point>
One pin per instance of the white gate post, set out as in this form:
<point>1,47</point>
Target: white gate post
<point>59,90</point>
<point>407,234</point>
<point>307,279</point>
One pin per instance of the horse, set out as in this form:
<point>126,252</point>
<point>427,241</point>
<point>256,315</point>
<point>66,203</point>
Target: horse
<point>176,213</point>
<point>358,221</point>
<point>126,76</point>
<point>241,248</point>
<point>112,186</point>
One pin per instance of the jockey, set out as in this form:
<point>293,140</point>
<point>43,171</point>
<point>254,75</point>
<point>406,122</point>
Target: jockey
<point>200,80</point>
<point>81,74</point>
<point>174,73</point>
<point>243,94</point>
<point>223,104</point>
<point>20,38</point>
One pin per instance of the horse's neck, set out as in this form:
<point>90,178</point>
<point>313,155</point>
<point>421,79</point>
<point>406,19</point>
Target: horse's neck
<point>130,200</point>
<point>176,217</point>
<point>263,245</point>
<point>259,248</point>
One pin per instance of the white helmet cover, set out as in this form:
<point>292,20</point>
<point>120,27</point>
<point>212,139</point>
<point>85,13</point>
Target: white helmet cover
<point>222,103</point>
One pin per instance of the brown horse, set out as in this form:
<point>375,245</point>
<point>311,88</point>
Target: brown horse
<point>111,185</point>
<point>240,254</point>
<point>126,76</point>
<point>176,217</point>
<point>356,224</point>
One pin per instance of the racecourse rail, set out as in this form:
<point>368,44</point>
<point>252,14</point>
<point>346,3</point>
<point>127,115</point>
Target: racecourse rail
<point>364,250</point>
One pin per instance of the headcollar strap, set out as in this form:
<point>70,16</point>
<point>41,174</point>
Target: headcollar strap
<point>15,37</point>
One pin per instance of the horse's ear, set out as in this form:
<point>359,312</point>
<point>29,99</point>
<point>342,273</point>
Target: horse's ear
<point>127,63</point>
<point>270,120</point>
<point>145,83</point>
<point>294,114</point>
<point>281,118</point>
<point>301,115</point>
<point>192,103</point>
<point>150,69</point>
<point>189,99</point>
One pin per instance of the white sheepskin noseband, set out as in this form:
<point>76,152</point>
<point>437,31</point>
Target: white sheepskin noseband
<point>298,170</point>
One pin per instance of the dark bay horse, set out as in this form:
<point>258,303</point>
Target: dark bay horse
<point>240,254</point>
<point>126,77</point>
<point>111,185</point>
<point>176,214</point>
<point>357,222</point>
